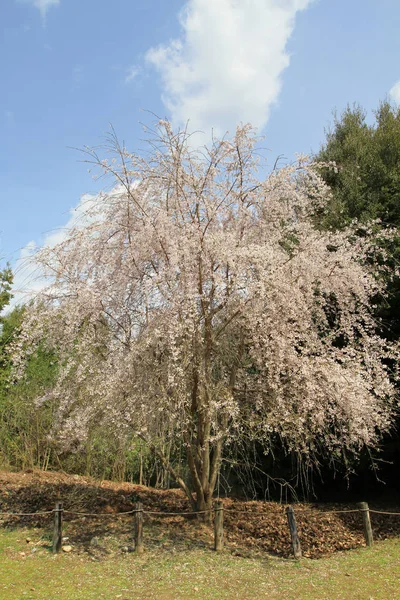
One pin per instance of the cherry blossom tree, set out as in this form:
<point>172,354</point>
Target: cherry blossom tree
<point>196,303</point>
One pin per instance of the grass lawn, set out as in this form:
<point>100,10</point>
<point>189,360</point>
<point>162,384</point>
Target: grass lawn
<point>364,574</point>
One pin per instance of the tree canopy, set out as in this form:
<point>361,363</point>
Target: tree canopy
<point>197,303</point>
<point>366,183</point>
<point>6,280</point>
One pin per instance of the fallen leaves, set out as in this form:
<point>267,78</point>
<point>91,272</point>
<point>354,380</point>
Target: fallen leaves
<point>249,527</point>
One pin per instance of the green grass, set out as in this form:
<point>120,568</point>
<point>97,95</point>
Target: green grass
<point>365,574</point>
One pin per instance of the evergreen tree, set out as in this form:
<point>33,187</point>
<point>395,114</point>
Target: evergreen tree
<point>366,186</point>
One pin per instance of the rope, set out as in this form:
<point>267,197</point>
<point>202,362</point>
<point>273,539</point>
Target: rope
<point>177,514</point>
<point>298,512</point>
<point>118,514</point>
<point>199,512</point>
<point>48,512</point>
<point>145,512</point>
<point>382,512</point>
<point>85,514</point>
<point>330,512</point>
<point>245,512</point>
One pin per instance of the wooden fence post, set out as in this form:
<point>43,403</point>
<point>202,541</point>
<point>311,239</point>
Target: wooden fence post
<point>293,532</point>
<point>139,548</point>
<point>364,509</point>
<point>218,526</point>
<point>57,531</point>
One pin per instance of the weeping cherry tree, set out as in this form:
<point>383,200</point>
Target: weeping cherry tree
<point>195,303</point>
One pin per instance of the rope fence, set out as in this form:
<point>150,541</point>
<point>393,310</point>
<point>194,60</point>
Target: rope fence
<point>218,511</point>
<point>188,514</point>
<point>87,514</point>
<point>47,512</point>
<point>178,514</point>
<point>383,512</point>
<point>333,512</point>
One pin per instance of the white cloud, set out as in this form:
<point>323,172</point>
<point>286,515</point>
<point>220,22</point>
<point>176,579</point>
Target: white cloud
<point>395,92</point>
<point>132,73</point>
<point>42,5</point>
<point>28,279</point>
<point>226,67</point>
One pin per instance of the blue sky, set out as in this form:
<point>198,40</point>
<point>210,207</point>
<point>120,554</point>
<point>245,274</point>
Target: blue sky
<point>71,67</point>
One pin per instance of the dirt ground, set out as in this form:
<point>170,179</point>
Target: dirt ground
<point>251,527</point>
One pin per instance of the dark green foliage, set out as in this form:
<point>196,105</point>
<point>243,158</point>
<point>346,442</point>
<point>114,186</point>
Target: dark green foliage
<point>367,182</point>
<point>6,280</point>
<point>24,428</point>
<point>366,186</point>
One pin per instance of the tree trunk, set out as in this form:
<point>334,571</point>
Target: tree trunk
<point>174,474</point>
<point>204,470</point>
